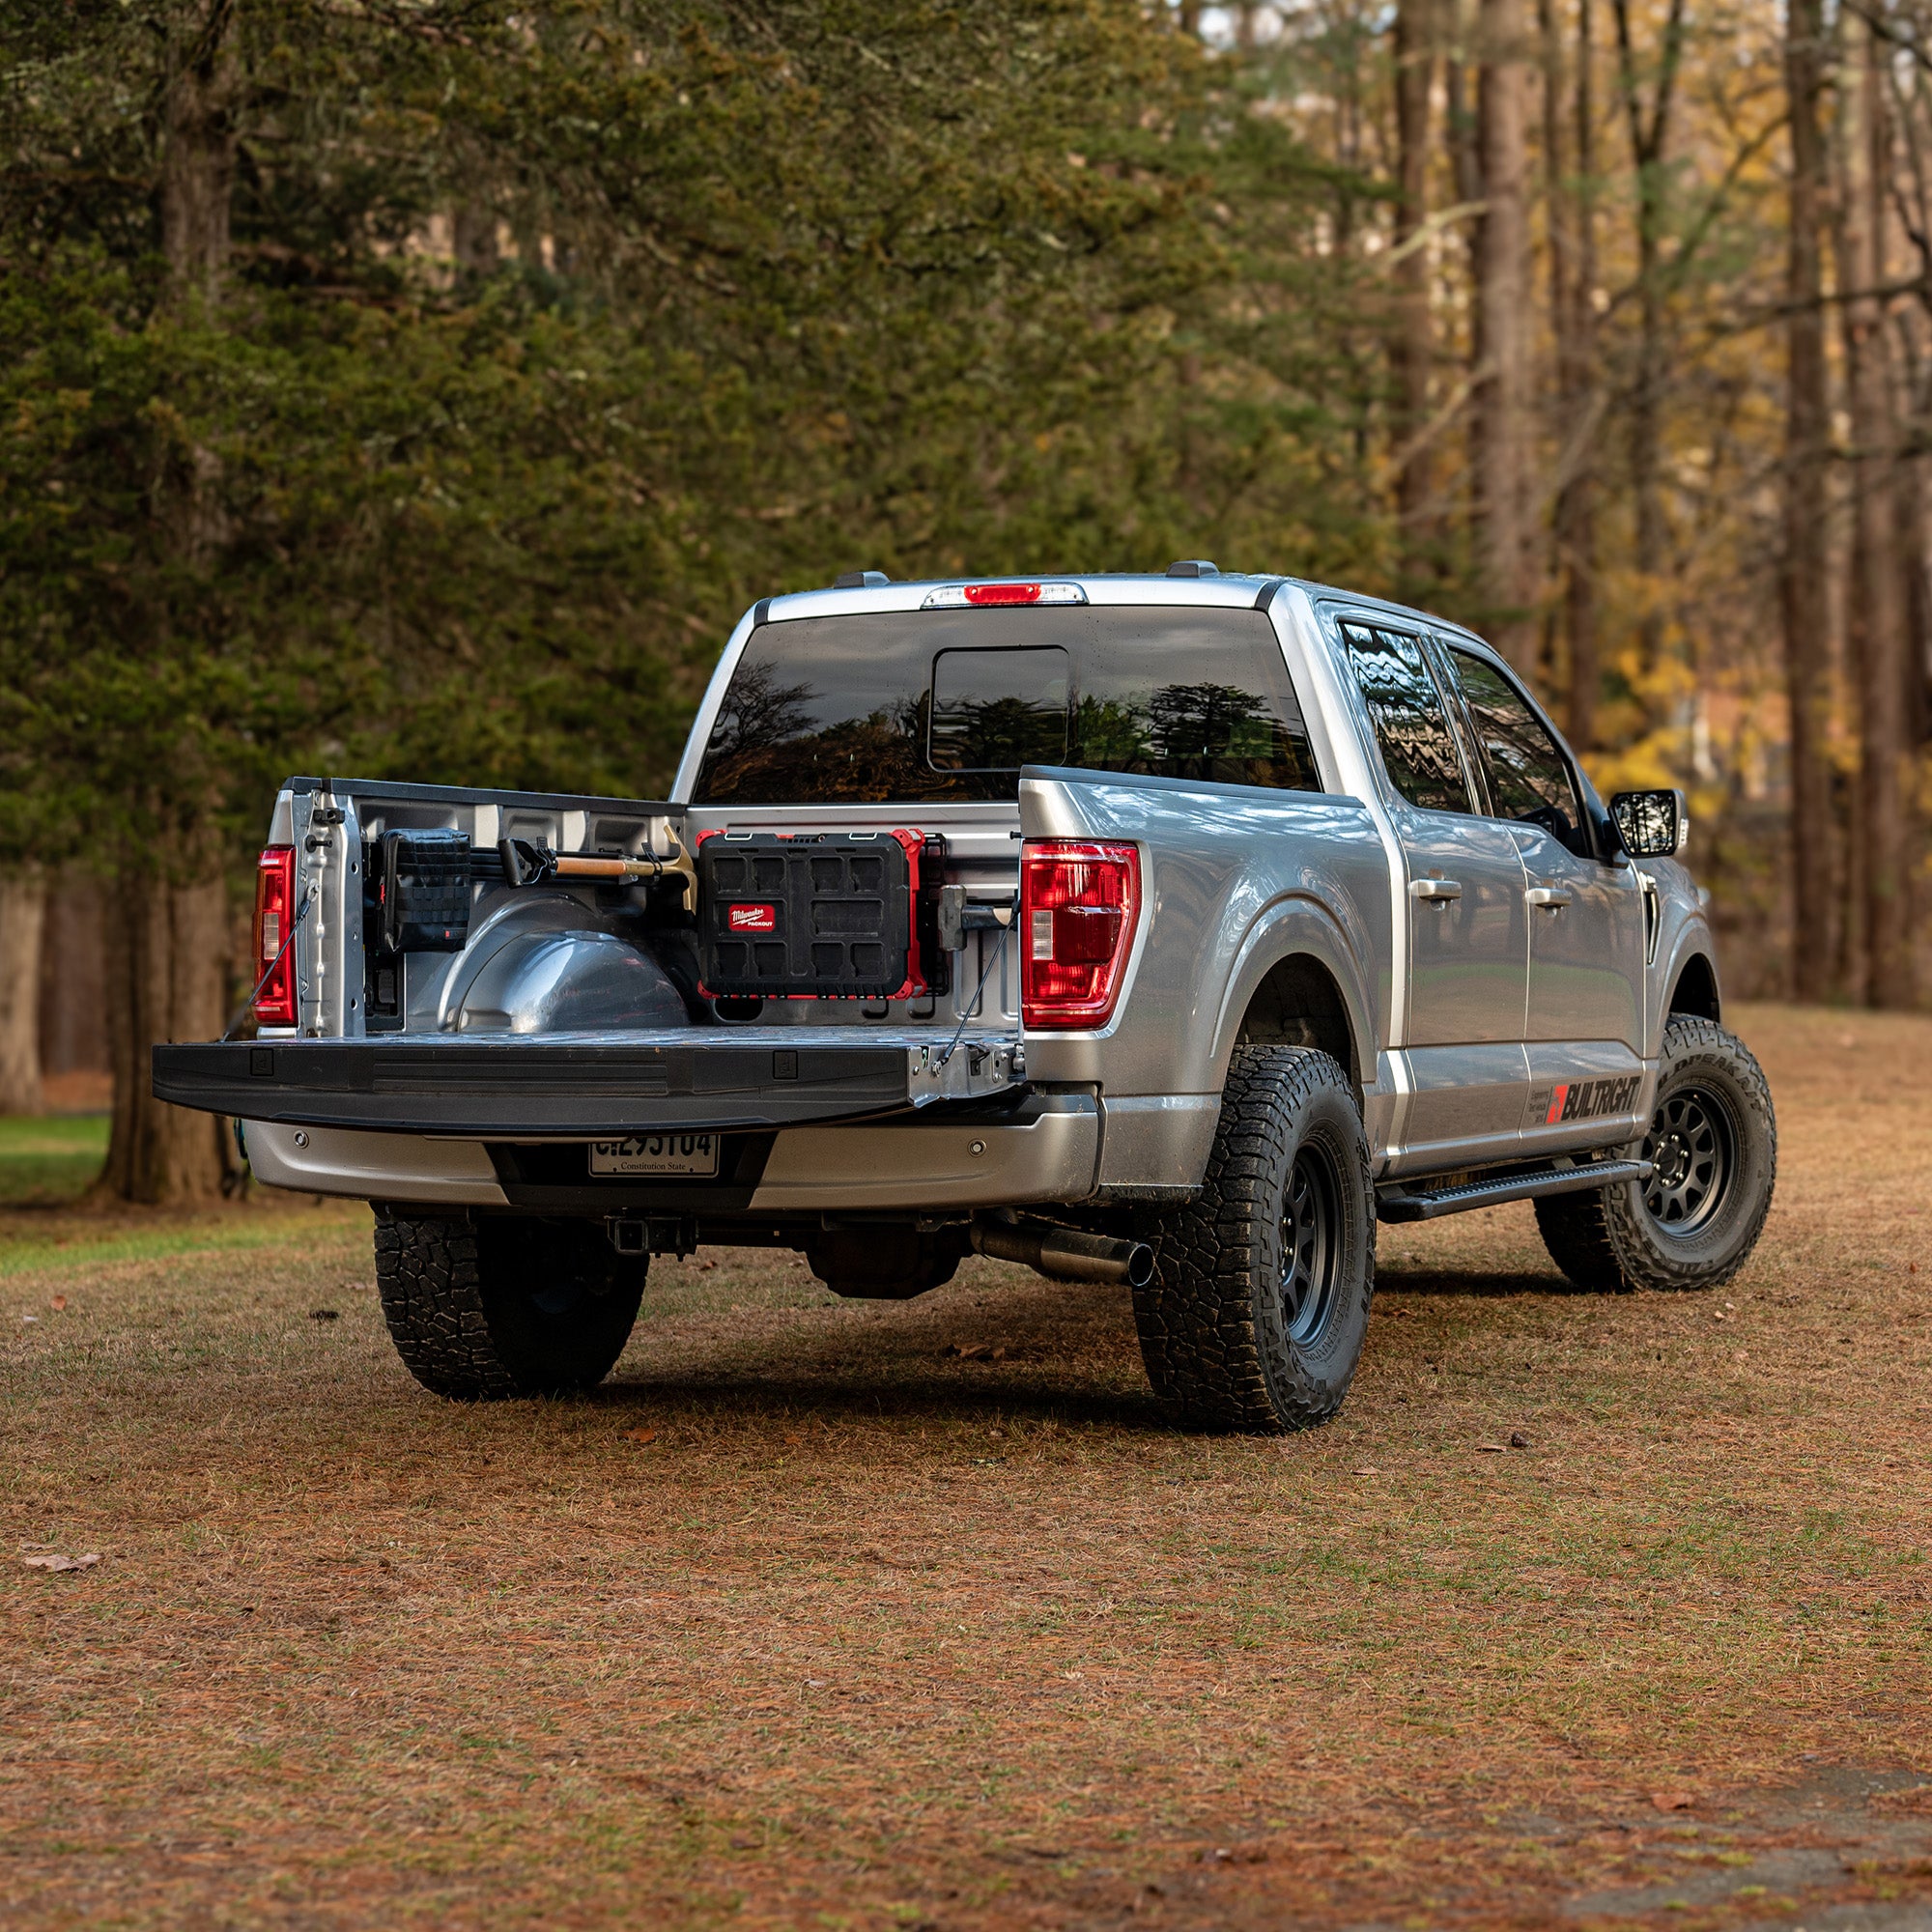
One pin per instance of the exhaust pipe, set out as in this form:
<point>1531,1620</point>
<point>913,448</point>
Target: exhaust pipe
<point>1065,1253</point>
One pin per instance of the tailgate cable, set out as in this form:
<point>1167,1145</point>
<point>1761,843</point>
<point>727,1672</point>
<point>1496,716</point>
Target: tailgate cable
<point>966,1012</point>
<point>247,1004</point>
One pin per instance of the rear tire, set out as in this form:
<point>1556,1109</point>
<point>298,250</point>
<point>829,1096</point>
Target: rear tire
<point>1693,1224</point>
<point>504,1306</point>
<point>1254,1317</point>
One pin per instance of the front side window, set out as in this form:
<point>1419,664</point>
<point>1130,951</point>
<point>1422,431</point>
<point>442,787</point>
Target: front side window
<point>1530,777</point>
<point>926,706</point>
<point>1411,725</point>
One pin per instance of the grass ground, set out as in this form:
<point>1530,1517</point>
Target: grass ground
<point>49,1160</point>
<point>830,1614</point>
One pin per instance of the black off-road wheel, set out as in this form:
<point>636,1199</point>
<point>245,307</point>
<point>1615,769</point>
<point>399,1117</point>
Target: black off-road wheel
<point>500,1306</point>
<point>1254,1317</point>
<point>1713,1145</point>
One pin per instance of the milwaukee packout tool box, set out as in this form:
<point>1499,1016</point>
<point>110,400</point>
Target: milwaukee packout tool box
<point>816,916</point>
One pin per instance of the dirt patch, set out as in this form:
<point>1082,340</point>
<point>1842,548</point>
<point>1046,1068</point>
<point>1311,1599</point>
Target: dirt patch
<point>829,1613</point>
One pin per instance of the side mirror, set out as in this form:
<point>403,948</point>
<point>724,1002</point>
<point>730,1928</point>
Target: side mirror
<point>1654,824</point>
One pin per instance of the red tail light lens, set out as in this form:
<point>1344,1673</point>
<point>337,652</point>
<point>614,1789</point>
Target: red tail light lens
<point>275,908</point>
<point>1079,905</point>
<point>1003,593</point>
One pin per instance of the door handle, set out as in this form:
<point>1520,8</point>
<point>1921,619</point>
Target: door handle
<point>1439,890</point>
<point>1552,898</point>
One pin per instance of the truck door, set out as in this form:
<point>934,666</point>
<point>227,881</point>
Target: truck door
<point>1584,1025</point>
<point>1467,927</point>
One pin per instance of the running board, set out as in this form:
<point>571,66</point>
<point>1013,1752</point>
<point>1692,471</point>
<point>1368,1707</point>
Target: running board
<point>1400,1207</point>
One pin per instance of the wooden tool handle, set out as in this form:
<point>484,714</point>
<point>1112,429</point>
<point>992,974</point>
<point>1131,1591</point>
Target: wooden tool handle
<point>576,868</point>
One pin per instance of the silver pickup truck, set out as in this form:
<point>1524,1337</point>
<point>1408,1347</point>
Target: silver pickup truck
<point>1161,930</point>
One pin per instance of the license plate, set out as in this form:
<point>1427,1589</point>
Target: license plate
<point>656,1153</point>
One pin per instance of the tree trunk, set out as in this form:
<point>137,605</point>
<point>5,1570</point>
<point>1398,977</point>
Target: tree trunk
<point>1805,564</point>
<point>23,903</point>
<point>1572,278</point>
<point>167,978</point>
<point>1413,347</point>
<point>167,970</point>
<point>1649,138</point>
<point>1918,591</point>
<point>198,154</point>
<point>73,990</point>
<point>473,233</point>
<point>1878,617</point>
<point>1502,337</point>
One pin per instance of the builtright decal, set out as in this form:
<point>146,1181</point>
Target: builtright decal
<point>1582,1099</point>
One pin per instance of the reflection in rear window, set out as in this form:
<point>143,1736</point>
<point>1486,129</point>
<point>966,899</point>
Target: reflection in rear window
<point>995,711</point>
<point>930,707</point>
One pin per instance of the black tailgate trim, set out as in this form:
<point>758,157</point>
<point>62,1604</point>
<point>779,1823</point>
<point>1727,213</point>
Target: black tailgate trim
<point>530,1087</point>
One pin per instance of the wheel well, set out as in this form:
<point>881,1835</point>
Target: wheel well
<point>1696,989</point>
<point>1299,1004</point>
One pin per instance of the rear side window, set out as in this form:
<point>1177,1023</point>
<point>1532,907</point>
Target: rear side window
<point>927,707</point>
<point>1411,725</point>
<point>1530,777</point>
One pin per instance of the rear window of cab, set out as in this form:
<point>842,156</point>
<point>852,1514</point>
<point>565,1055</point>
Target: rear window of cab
<point>929,707</point>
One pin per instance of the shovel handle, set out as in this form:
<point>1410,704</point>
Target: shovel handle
<point>569,867</point>
<point>527,863</point>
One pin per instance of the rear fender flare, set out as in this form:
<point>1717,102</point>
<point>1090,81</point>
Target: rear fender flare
<point>1289,927</point>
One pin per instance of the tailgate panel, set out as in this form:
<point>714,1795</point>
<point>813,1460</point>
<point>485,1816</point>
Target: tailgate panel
<point>537,1087</point>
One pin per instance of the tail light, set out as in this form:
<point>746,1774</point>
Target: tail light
<point>275,908</point>
<point>1079,905</point>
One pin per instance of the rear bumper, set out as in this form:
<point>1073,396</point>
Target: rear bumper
<point>588,1085</point>
<point>1040,1147</point>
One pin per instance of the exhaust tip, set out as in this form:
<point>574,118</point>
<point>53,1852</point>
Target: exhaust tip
<point>1140,1266</point>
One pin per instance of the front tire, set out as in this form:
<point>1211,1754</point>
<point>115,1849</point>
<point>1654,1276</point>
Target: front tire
<point>497,1306</point>
<point>1255,1317</point>
<point>1694,1222</point>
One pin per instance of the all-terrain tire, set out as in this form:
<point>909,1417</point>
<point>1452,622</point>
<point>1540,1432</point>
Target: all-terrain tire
<point>1694,1223</point>
<point>1254,1317</point>
<point>502,1306</point>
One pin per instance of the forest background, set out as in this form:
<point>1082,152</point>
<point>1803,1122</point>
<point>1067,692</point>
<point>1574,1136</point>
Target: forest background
<point>425,386</point>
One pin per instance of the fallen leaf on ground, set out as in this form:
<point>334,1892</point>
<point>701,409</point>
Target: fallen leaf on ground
<point>324,1315</point>
<point>1492,1448</point>
<point>58,1303</point>
<point>1673,1800</point>
<point>62,1562</point>
<point>1519,1440</point>
<point>353,1287</point>
<point>1365,1472</point>
<point>640,1436</point>
<point>966,1352</point>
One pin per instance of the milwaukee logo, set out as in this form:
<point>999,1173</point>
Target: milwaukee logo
<point>1585,1099</point>
<point>752,918</point>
